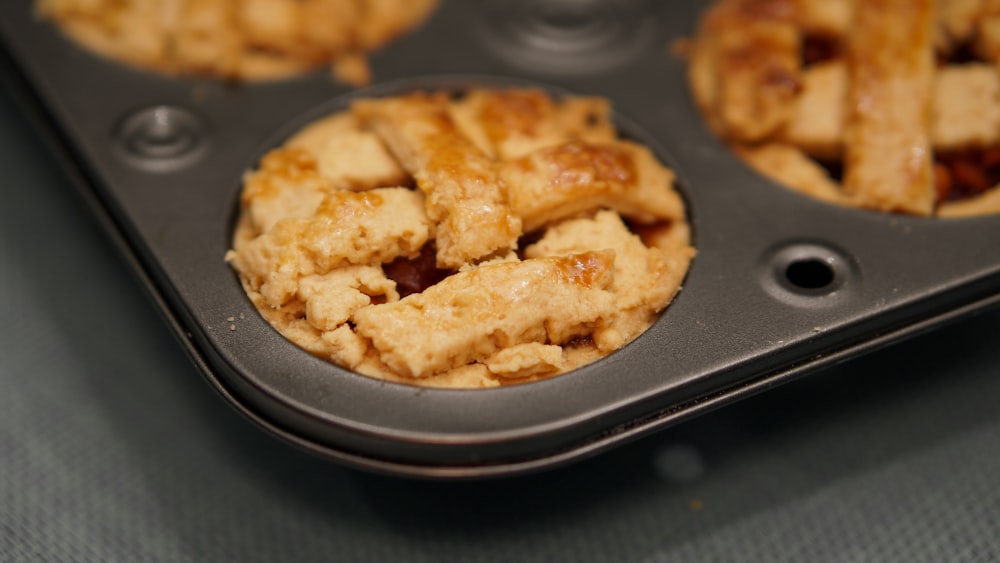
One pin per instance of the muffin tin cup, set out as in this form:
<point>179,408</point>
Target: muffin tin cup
<point>781,284</point>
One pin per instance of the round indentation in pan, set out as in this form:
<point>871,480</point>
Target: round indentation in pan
<point>568,36</point>
<point>658,224</point>
<point>161,138</point>
<point>808,273</point>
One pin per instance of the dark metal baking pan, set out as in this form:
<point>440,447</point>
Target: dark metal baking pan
<point>781,284</point>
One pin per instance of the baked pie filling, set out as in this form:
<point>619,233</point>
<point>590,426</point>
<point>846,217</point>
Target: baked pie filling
<point>496,237</point>
<point>892,105</point>
<point>238,39</point>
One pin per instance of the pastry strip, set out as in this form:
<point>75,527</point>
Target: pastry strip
<point>509,124</point>
<point>888,157</point>
<point>463,194</point>
<point>472,315</point>
<point>645,279</point>
<point>558,182</point>
<point>749,69</point>
<point>348,228</point>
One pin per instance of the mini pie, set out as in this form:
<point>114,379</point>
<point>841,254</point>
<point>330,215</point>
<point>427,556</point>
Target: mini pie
<point>238,39</point>
<point>496,237</point>
<point>889,105</point>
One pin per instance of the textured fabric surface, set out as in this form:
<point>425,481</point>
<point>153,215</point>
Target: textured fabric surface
<point>112,448</point>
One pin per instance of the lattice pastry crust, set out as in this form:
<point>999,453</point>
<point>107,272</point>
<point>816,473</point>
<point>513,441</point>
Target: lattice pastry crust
<point>238,39</point>
<point>496,237</point>
<point>884,104</point>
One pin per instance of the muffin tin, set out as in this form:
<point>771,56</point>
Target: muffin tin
<point>781,285</point>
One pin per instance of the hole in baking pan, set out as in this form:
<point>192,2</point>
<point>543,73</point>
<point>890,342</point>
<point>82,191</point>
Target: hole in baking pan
<point>567,36</point>
<point>810,273</point>
<point>236,40</point>
<point>804,99</point>
<point>369,248</point>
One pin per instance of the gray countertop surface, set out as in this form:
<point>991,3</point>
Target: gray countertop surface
<point>113,447</point>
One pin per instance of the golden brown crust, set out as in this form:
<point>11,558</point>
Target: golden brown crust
<point>817,123</point>
<point>348,155</point>
<point>988,203</point>
<point>645,277</point>
<point>509,124</point>
<point>746,66</point>
<point>887,164</point>
<point>462,190</point>
<point>966,109</point>
<point>473,315</point>
<point>791,167</point>
<point>557,182</point>
<point>238,39</point>
<point>338,252</point>
<point>346,229</point>
<point>883,92</point>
